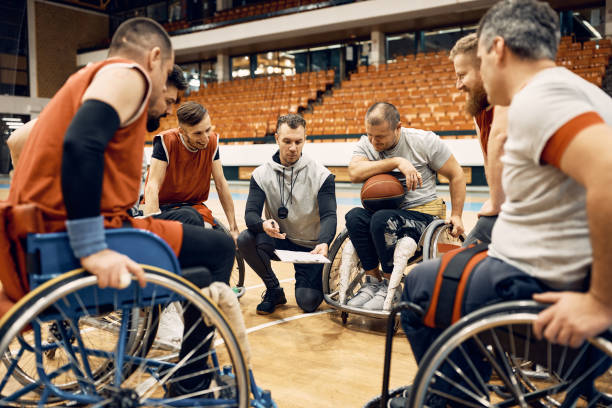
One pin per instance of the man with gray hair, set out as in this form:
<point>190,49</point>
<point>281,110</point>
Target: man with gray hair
<point>557,174</point>
<point>418,155</point>
<point>557,170</point>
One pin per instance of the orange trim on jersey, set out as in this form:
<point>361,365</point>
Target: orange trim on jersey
<point>556,145</point>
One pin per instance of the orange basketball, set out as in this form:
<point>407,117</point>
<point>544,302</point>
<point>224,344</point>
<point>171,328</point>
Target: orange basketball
<point>382,191</point>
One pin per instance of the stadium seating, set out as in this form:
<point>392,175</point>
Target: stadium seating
<point>249,107</point>
<point>233,15</point>
<point>588,59</point>
<point>260,9</point>
<point>422,86</point>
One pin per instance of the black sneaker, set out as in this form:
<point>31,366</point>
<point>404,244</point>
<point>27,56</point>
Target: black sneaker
<point>270,299</point>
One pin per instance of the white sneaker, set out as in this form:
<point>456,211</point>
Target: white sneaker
<point>365,293</point>
<point>378,301</point>
<point>170,328</point>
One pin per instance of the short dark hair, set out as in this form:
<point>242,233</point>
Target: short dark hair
<point>381,112</point>
<point>529,28</point>
<point>177,78</point>
<point>139,34</point>
<point>191,113</point>
<point>293,120</point>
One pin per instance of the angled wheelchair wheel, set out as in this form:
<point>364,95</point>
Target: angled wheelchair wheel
<point>436,240</point>
<point>491,358</point>
<point>331,279</point>
<point>142,326</point>
<point>331,275</point>
<point>237,276</point>
<point>56,351</point>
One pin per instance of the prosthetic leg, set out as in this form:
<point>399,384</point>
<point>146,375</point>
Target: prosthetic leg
<point>404,249</point>
<point>348,262</point>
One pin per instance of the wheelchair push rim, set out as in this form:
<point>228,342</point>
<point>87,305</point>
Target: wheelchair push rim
<point>25,314</point>
<point>521,370</point>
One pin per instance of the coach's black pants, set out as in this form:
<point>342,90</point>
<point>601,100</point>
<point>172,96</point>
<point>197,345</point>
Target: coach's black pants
<point>258,249</point>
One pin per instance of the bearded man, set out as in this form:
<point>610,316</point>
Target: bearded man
<point>490,124</point>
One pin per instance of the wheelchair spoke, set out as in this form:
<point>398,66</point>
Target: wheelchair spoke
<point>466,378</point>
<point>182,362</point>
<point>457,399</point>
<point>574,365</point>
<point>479,398</point>
<point>476,373</point>
<point>510,373</point>
<point>578,381</point>
<point>498,369</point>
<point>77,334</point>
<point>120,348</point>
<point>70,355</point>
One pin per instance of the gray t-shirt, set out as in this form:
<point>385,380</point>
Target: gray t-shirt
<point>542,228</point>
<point>423,149</point>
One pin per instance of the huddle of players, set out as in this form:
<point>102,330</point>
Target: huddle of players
<point>555,119</point>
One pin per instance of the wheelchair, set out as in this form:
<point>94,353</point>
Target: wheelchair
<point>67,342</point>
<point>491,357</point>
<point>434,242</point>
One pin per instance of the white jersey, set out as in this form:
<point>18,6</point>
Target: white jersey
<point>542,228</point>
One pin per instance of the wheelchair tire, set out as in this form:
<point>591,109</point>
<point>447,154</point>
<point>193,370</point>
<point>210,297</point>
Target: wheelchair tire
<point>330,270</point>
<point>141,337</point>
<point>515,369</point>
<point>141,376</point>
<point>237,276</point>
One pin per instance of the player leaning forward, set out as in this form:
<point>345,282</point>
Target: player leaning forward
<point>300,210</point>
<point>375,236</point>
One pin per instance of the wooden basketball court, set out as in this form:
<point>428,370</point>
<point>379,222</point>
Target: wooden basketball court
<point>313,360</point>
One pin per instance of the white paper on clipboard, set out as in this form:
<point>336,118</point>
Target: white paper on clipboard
<point>300,257</point>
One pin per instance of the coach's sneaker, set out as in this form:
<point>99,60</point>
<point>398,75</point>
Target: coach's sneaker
<point>365,293</point>
<point>270,299</point>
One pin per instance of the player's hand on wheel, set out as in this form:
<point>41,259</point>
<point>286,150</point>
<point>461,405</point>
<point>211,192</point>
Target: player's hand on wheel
<point>457,224</point>
<point>414,179</point>
<point>113,269</point>
<point>572,318</point>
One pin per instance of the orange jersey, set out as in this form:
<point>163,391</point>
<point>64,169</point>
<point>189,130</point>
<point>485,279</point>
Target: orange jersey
<point>37,177</point>
<point>188,173</point>
<point>484,120</point>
